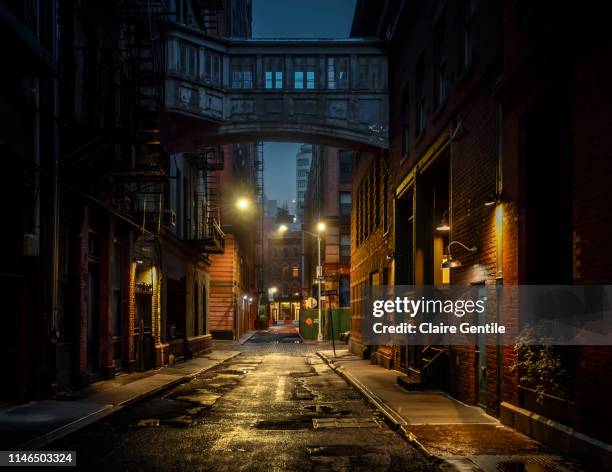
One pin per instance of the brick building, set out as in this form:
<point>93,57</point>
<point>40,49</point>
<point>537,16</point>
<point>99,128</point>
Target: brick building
<point>328,200</point>
<point>111,245</point>
<point>496,141</point>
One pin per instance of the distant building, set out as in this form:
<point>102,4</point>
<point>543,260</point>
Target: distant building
<point>303,158</point>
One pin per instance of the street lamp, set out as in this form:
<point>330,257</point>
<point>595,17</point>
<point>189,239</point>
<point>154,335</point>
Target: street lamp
<point>242,203</point>
<point>282,229</point>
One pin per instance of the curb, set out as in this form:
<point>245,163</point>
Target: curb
<point>106,410</point>
<point>398,424</point>
<point>245,337</point>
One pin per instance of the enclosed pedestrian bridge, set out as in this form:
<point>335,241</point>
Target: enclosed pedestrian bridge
<point>220,90</point>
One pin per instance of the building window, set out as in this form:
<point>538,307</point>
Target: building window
<point>420,95</point>
<point>337,73</point>
<point>302,173</point>
<point>345,291</point>
<point>466,41</point>
<point>212,68</point>
<point>345,159</point>
<point>440,55</point>
<point>295,272</point>
<point>406,120</point>
<point>187,60</point>
<point>242,72</point>
<point>303,163</point>
<point>345,207</point>
<point>345,247</point>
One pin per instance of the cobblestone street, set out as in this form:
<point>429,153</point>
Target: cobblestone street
<point>276,406</point>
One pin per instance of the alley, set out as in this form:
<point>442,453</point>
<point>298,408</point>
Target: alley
<point>276,406</point>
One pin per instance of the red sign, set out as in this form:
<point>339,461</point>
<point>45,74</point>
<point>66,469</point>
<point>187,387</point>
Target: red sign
<point>308,321</point>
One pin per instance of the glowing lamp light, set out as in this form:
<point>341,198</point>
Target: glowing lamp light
<point>321,226</point>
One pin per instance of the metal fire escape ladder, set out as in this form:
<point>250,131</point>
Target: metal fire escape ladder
<point>140,189</point>
<point>205,227</point>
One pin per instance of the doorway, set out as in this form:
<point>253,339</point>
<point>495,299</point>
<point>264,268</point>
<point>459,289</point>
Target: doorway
<point>143,334</point>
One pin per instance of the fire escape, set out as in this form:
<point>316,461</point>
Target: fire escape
<point>204,227</point>
<point>140,188</point>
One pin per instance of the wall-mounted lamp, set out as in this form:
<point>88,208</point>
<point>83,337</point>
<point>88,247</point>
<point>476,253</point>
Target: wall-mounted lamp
<point>443,224</point>
<point>450,262</point>
<point>138,260</point>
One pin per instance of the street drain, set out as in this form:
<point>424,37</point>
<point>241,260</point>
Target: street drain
<point>335,451</point>
<point>284,425</point>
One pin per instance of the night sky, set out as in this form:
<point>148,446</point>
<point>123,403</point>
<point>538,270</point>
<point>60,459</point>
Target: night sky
<point>291,19</point>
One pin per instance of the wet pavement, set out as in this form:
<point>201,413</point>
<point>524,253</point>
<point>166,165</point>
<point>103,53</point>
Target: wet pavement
<point>277,406</point>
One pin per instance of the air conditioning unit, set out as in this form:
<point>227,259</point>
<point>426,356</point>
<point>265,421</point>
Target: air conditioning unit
<point>169,218</point>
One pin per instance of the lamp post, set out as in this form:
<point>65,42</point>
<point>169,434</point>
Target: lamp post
<point>320,229</point>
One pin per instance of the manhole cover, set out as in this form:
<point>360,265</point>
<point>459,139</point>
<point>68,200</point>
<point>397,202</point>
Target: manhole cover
<point>336,423</point>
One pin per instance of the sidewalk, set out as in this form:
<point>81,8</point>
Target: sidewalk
<point>35,424</point>
<point>459,436</point>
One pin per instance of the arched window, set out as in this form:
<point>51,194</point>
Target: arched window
<point>296,251</point>
<point>285,252</point>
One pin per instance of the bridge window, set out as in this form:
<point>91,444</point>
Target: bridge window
<point>273,67</point>
<point>337,73</point>
<point>212,67</point>
<point>274,80</point>
<point>305,72</point>
<point>370,72</point>
<point>242,72</point>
